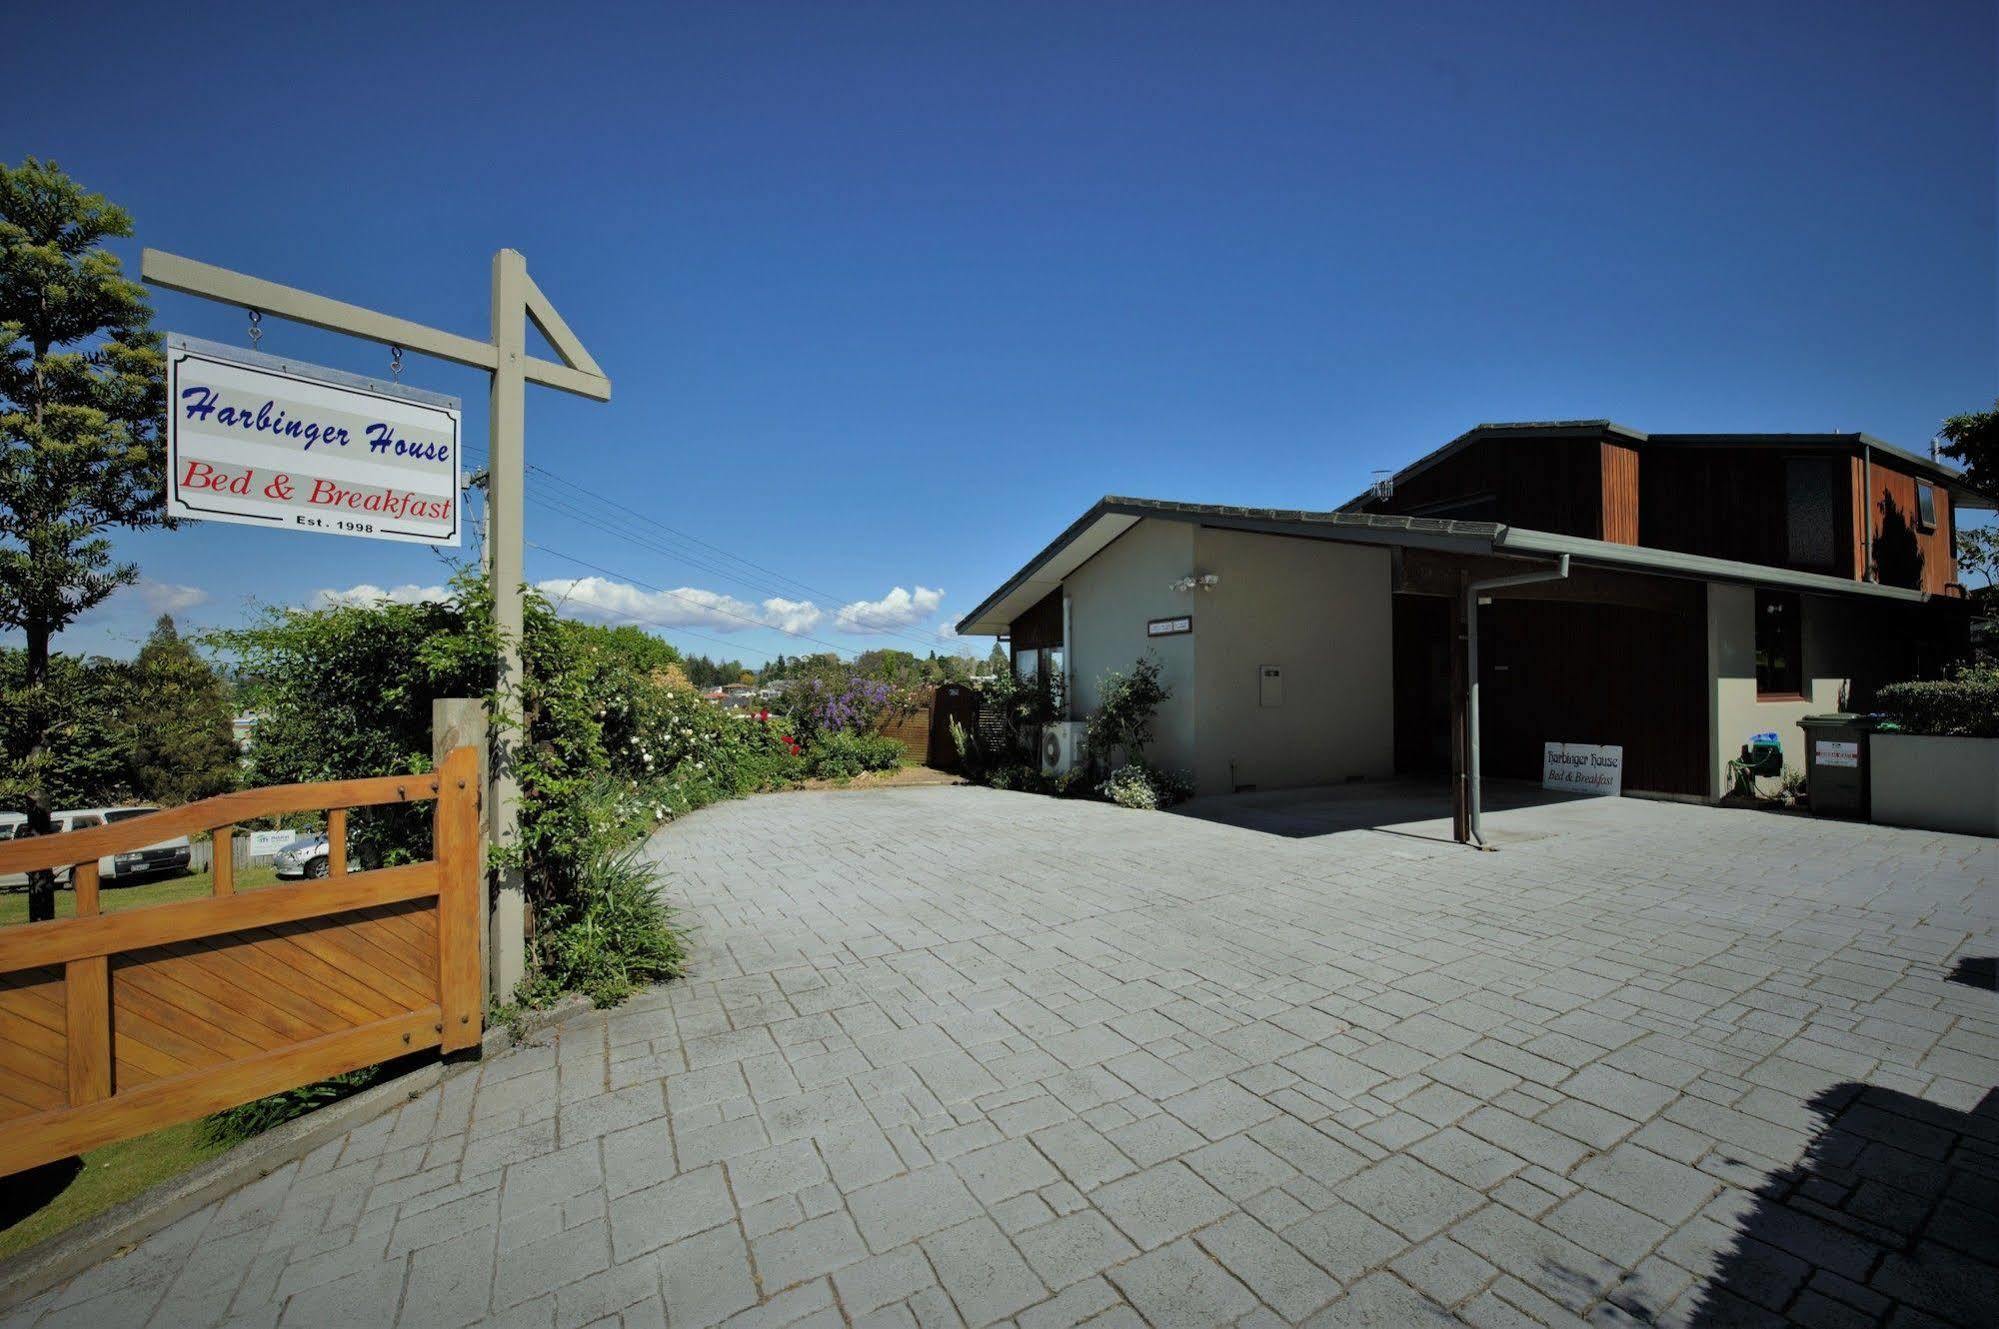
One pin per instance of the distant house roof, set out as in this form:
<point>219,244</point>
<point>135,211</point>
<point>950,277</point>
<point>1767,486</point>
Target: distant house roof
<point>1964,495</point>
<point>1112,516</point>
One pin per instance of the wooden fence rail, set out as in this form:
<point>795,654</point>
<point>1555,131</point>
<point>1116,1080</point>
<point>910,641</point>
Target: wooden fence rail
<point>113,1025</point>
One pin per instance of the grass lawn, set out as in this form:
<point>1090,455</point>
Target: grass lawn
<point>111,899</point>
<point>109,1176</point>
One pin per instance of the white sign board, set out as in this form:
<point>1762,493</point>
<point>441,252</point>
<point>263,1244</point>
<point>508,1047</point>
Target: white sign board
<point>1833,753</point>
<point>1583,768</point>
<point>265,843</point>
<point>268,442</point>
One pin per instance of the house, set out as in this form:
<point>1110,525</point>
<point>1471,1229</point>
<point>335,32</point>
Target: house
<point>1717,586</point>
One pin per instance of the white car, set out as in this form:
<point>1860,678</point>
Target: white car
<point>168,857</point>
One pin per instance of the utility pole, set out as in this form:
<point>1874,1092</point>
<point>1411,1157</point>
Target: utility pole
<point>516,300</point>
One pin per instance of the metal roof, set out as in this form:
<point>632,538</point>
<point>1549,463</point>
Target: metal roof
<point>1112,515</point>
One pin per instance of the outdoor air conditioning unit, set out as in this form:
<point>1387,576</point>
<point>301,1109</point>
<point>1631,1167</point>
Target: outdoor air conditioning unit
<point>1062,747</point>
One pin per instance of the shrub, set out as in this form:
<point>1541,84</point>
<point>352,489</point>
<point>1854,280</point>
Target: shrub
<point>841,755</point>
<point>1127,706</point>
<point>1966,705</point>
<point>615,935</point>
<point>835,699</point>
<point>610,746</point>
<point>1145,787</point>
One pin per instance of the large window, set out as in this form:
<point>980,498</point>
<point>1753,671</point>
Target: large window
<point>1780,666</point>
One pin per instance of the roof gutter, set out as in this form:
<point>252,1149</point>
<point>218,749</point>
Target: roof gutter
<point>1700,567</point>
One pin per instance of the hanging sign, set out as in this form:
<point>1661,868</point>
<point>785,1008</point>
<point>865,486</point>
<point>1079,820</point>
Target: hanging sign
<point>1583,768</point>
<point>264,441</point>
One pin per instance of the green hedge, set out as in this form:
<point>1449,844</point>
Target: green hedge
<point>1967,705</point>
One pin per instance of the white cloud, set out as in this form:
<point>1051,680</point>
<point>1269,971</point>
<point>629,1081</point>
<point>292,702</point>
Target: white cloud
<point>367,593</point>
<point>894,611</point>
<point>683,607</point>
<point>165,597</point>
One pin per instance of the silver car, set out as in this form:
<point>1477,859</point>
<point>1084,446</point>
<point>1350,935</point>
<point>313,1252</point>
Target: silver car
<point>303,860</point>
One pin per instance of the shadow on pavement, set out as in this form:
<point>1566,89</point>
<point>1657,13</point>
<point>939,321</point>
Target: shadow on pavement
<point>1891,1217</point>
<point>1977,971</point>
<point>1413,809</point>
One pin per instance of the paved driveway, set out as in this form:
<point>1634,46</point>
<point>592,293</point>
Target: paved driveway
<point>950,1055</point>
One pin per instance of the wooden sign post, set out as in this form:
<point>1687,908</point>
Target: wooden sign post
<point>516,299</point>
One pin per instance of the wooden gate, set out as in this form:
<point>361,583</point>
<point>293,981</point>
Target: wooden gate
<point>113,1025</point>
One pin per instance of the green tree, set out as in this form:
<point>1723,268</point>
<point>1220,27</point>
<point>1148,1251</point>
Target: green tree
<point>997,661</point>
<point>182,746</point>
<point>88,731</point>
<point>80,405</point>
<point>1972,441</point>
<point>1978,551</point>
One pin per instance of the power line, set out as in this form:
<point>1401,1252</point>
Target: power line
<point>652,544</point>
<point>661,590</point>
<point>796,586</point>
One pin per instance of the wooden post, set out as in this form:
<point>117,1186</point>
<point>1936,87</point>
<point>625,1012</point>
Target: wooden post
<point>456,847</point>
<point>87,1005</point>
<point>222,859</point>
<point>336,842</point>
<point>460,722</point>
<point>506,478</point>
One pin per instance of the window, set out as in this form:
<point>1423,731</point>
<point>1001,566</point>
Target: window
<point>1780,671</point>
<point>1042,667</point>
<point>1926,507</point>
<point>1808,511</point>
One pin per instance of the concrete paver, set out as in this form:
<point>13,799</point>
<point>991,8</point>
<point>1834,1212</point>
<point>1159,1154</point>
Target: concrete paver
<point>952,1056</point>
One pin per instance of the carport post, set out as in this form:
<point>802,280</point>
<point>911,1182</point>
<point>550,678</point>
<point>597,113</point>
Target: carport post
<point>1460,789</point>
<point>1472,590</point>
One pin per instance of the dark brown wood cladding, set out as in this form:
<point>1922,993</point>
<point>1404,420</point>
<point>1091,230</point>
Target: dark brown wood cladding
<point>1041,625</point>
<point>1544,484</point>
<point>1731,503</point>
<point>1565,671</point>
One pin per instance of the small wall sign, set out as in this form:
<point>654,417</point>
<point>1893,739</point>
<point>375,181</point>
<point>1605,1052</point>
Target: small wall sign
<point>1583,768</point>
<point>1169,627</point>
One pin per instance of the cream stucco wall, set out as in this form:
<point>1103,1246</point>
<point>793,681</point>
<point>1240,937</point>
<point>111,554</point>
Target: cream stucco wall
<point>1830,644</point>
<point>1111,598</point>
<point>1322,614</point>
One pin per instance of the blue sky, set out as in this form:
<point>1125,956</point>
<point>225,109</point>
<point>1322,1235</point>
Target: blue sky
<point>891,293</point>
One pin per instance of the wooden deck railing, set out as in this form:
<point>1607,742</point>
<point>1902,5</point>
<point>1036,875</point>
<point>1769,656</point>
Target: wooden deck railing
<point>112,1025</point>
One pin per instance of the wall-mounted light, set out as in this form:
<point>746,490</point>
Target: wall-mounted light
<point>1206,581</point>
